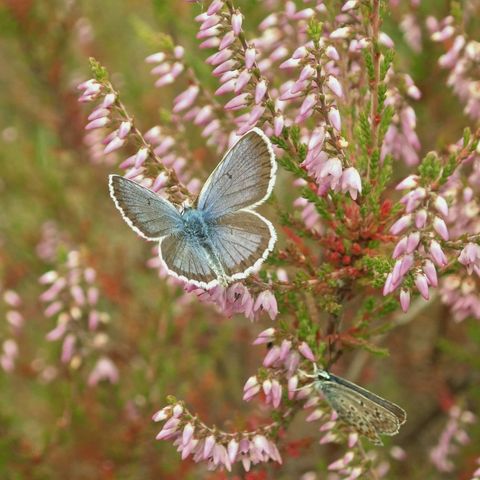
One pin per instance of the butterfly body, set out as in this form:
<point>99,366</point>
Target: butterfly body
<point>222,239</point>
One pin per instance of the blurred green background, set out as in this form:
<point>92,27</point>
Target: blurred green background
<point>61,428</point>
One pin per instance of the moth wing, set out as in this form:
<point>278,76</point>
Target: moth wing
<point>187,260</point>
<point>148,214</point>
<point>242,241</point>
<point>364,415</point>
<point>396,410</point>
<point>349,411</point>
<point>243,179</point>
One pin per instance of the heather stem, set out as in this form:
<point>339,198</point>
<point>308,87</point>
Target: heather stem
<point>176,191</point>
<point>374,117</point>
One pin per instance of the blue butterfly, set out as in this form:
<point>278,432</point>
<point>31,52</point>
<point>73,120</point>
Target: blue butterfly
<point>223,238</point>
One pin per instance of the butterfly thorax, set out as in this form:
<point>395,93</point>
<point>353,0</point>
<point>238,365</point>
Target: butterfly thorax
<point>198,228</point>
<point>196,225</point>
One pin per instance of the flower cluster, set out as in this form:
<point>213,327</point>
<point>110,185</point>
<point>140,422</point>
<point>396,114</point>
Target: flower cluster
<point>72,298</point>
<point>14,319</point>
<point>462,58</point>
<point>418,252</point>
<point>217,448</point>
<point>452,438</point>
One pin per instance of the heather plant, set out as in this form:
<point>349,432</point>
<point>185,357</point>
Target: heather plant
<point>374,276</point>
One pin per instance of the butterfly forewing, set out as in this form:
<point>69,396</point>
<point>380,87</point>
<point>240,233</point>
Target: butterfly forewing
<point>242,241</point>
<point>397,411</point>
<point>243,179</point>
<point>149,215</point>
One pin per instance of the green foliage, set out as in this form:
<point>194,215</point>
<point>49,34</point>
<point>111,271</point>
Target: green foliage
<point>367,57</point>
<point>156,40</point>
<point>315,30</point>
<point>99,72</point>
<point>377,268</point>
<point>387,60</point>
<point>430,167</point>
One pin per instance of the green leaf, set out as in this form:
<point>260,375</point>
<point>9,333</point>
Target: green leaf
<point>99,72</point>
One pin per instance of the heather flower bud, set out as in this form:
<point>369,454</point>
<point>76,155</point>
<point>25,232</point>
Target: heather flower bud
<point>342,32</point>
<point>441,206</point>
<point>441,228</point>
<point>422,285</point>
<point>334,119</point>
<point>401,224</point>
<point>404,299</point>
<point>334,85</point>
<point>237,20</point>
<point>250,55</point>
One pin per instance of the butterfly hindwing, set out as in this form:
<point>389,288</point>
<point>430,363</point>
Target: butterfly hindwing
<point>242,240</point>
<point>150,215</point>
<point>186,259</point>
<point>243,179</point>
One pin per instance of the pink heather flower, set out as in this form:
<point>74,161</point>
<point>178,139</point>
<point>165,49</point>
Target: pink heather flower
<point>97,123</point>
<point>276,393</point>
<point>285,347</point>
<point>292,386</point>
<point>404,299</point>
<point>401,224</point>
<point>349,5</point>
<point>400,248</point>
<point>334,85</point>
<point>278,124</point>
<point>209,22</point>
<point>251,382</point>
<point>250,55</point>
<point>265,337</point>
<point>441,206</point>
<point>316,139</point>
<point>308,104</point>
<point>306,351</point>
<point>68,348</point>
<point>237,20</point>
<point>342,32</point>
<point>437,254</point>
<point>227,66</point>
<point>104,369</point>
<point>186,99</point>
<point>331,53</point>
<point>407,183</point>
<point>237,102</point>
<point>219,57</point>
<point>113,145</point>
<point>351,182</point>
<point>431,272</point>
<point>332,169</point>
<point>412,242</point>
<point>267,302</point>
<point>422,285</point>
<point>342,462</point>
<point>441,228</point>
<point>272,356</point>
<point>470,257</point>
<point>407,264</point>
<point>242,80</point>
<point>421,218</point>
<point>334,119</point>
<point>260,91</point>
